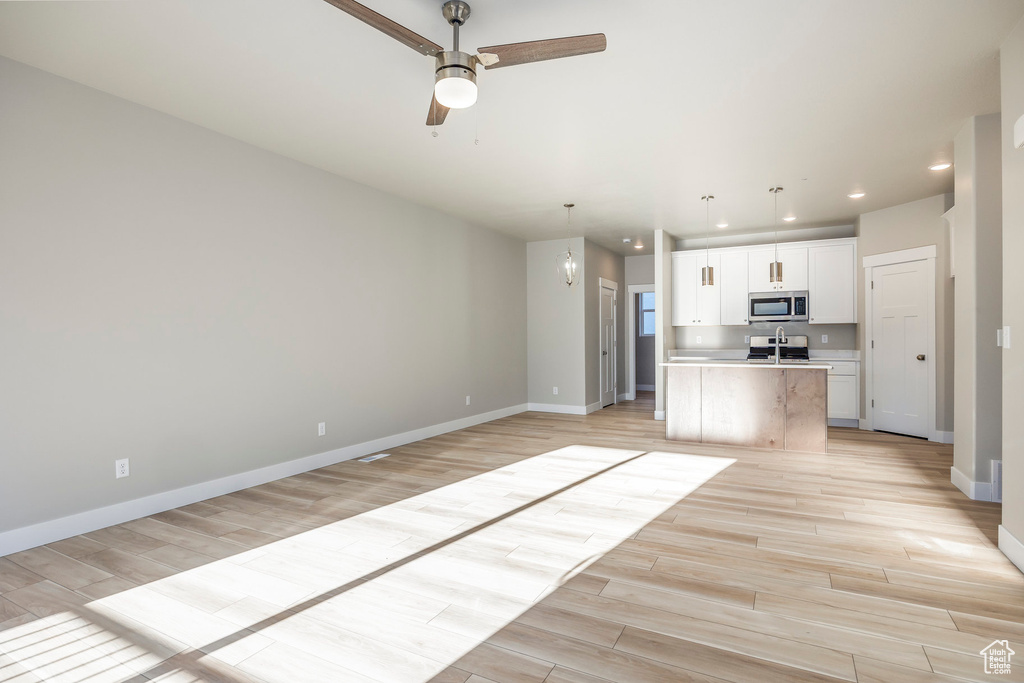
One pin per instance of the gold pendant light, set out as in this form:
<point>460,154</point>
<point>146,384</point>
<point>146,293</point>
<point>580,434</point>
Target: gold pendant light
<point>775,267</point>
<point>707,273</point>
<point>567,263</point>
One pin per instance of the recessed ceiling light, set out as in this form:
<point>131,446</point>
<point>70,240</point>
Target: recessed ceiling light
<point>940,167</point>
<point>855,195</point>
<point>789,219</point>
<point>721,225</point>
<point>638,246</point>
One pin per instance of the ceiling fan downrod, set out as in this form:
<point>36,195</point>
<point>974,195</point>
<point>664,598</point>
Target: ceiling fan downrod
<point>454,70</point>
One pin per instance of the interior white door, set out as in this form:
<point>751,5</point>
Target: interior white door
<point>900,339</point>
<point>607,346</point>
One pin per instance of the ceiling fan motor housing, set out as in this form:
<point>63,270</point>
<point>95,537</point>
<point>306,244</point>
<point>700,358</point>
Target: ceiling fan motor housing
<point>458,71</point>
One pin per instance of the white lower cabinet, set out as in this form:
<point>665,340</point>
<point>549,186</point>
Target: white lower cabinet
<point>844,390</point>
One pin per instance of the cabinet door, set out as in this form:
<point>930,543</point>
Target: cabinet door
<point>831,296</point>
<point>842,397</point>
<point>684,291</point>
<point>709,298</point>
<point>794,269</point>
<point>734,288</point>
<point>758,261</point>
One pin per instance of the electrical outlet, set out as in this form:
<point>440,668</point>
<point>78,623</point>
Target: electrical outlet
<point>746,339</point>
<point>555,392</point>
<point>700,340</point>
<point>121,468</point>
<point>824,339</point>
<point>321,429</point>
<point>467,400</point>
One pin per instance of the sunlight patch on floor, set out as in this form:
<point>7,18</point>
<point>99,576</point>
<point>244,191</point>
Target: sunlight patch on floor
<point>397,593</point>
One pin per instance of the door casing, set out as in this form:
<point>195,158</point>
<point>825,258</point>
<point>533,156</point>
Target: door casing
<point>926,254</point>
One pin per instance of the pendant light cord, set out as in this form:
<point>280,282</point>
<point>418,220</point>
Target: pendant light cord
<point>775,191</point>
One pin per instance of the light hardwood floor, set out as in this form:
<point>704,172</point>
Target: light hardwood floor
<point>539,547</point>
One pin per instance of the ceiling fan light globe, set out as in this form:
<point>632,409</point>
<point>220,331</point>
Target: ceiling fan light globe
<point>455,92</point>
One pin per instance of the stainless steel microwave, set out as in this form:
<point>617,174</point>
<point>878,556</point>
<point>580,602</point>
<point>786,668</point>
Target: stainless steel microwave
<point>778,307</point>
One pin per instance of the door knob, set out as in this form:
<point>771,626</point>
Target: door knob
<point>920,356</point>
<point>605,353</point>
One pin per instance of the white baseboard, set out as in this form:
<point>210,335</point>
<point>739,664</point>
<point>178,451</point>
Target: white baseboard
<point>594,406</point>
<point>16,540</point>
<point>659,414</point>
<point>864,424</point>
<point>645,387</point>
<point>1011,547</point>
<point>557,408</point>
<point>975,490</point>
<point>843,422</point>
<point>944,437</point>
<point>626,397</point>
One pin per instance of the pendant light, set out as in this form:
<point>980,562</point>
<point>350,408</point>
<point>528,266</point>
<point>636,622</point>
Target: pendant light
<point>567,263</point>
<point>775,267</point>
<point>707,273</point>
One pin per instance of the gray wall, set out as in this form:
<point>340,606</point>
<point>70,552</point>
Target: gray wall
<point>915,224</point>
<point>640,270</point>
<point>556,343</point>
<point>1012,77</point>
<point>602,263</point>
<point>712,337</point>
<point>978,297</point>
<point>197,304</point>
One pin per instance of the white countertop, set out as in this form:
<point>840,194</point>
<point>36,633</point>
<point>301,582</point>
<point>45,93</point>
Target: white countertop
<point>710,363</point>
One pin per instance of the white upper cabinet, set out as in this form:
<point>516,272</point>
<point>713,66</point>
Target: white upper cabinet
<point>832,290</point>
<point>733,282</point>
<point>825,268</point>
<point>794,269</point>
<point>692,302</point>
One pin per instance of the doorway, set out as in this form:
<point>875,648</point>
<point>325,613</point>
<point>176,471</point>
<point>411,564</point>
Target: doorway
<point>608,364</point>
<point>640,363</point>
<point>900,341</point>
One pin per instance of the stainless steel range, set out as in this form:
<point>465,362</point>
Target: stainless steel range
<point>792,349</point>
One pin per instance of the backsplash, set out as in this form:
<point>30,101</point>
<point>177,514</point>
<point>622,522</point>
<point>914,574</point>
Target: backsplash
<point>732,336</point>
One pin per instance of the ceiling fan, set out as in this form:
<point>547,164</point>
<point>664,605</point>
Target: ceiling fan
<point>455,71</point>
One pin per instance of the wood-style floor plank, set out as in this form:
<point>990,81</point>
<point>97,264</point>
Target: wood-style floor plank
<point>539,548</point>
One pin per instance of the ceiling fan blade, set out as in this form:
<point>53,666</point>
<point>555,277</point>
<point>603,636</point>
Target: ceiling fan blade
<point>385,25</point>
<point>540,50</point>
<point>437,113</point>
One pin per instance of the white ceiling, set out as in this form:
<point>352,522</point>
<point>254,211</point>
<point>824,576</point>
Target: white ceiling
<point>692,96</point>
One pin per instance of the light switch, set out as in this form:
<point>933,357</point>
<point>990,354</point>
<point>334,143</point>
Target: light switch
<point>999,337</point>
<point>1006,337</point>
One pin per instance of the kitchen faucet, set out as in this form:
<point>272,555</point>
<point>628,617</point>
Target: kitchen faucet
<point>780,338</point>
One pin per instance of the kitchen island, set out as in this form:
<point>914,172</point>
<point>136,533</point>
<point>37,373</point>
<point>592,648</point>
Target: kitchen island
<point>738,403</point>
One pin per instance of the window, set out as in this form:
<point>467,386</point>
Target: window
<point>646,313</point>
